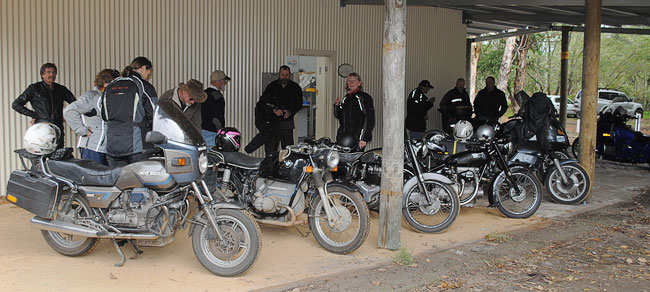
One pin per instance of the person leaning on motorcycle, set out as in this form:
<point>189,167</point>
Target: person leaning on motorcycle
<point>355,111</point>
<point>417,106</point>
<point>46,98</point>
<point>455,106</point>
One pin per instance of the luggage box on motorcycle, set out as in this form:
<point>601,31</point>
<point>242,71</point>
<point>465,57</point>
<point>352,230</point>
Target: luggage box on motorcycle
<point>36,194</point>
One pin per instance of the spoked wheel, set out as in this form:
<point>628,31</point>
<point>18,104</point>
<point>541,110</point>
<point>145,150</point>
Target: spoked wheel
<point>517,204</point>
<point>67,244</point>
<point>351,223</point>
<point>466,190</point>
<point>573,192</point>
<point>435,214</point>
<point>238,250</point>
<point>576,147</point>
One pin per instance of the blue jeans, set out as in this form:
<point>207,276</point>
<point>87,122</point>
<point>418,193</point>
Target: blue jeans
<point>94,156</point>
<point>209,137</point>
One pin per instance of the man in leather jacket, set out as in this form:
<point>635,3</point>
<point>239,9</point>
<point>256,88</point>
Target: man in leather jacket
<point>46,98</point>
<point>455,105</point>
<point>417,106</point>
<point>490,103</point>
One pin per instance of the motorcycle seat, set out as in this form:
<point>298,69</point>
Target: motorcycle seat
<point>643,138</point>
<point>241,160</point>
<point>85,172</point>
<point>349,157</point>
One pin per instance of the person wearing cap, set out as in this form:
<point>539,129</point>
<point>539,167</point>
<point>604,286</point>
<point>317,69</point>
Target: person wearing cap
<point>188,96</point>
<point>490,103</point>
<point>455,106</point>
<point>417,106</point>
<point>214,107</point>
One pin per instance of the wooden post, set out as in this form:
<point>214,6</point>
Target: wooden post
<point>393,72</point>
<point>589,102</point>
<point>564,74</point>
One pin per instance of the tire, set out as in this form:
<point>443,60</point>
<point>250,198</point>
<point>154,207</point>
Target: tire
<point>352,205</point>
<point>235,225</point>
<point>512,205</point>
<point>416,209</point>
<point>548,163</point>
<point>575,147</point>
<point>574,193</point>
<point>69,245</point>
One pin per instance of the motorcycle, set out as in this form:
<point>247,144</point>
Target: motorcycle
<point>77,202</point>
<point>617,141</point>
<point>282,186</point>
<point>514,190</point>
<point>429,205</point>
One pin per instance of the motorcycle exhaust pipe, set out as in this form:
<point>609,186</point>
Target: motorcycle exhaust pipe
<point>78,230</point>
<point>291,222</point>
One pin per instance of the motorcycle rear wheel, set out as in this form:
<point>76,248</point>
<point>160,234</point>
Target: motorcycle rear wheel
<point>66,244</point>
<point>414,208</point>
<point>357,228</point>
<point>511,204</point>
<point>240,248</point>
<point>559,192</point>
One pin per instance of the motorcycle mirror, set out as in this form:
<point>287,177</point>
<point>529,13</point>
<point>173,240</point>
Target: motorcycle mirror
<point>155,137</point>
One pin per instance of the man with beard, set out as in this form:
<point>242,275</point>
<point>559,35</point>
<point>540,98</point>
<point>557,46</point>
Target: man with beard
<point>274,113</point>
<point>46,98</point>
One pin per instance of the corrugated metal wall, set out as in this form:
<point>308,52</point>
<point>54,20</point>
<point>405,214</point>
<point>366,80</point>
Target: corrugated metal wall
<point>189,39</point>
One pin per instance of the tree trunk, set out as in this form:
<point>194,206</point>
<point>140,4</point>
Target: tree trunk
<point>520,76</point>
<point>476,51</point>
<point>506,63</point>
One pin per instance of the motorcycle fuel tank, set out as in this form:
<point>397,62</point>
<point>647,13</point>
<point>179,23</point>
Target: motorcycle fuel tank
<point>467,158</point>
<point>150,174</point>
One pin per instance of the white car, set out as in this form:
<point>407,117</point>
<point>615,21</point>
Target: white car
<point>609,97</point>
<point>571,109</point>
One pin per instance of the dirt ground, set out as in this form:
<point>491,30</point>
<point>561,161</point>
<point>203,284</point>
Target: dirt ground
<point>603,250</point>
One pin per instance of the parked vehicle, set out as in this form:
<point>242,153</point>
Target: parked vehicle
<point>279,188</point>
<point>616,140</point>
<point>77,202</point>
<point>612,98</point>
<point>571,109</point>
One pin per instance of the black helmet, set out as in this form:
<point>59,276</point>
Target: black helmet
<point>347,140</point>
<point>228,139</point>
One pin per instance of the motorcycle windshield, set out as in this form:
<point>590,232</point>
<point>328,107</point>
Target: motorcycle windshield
<point>169,120</point>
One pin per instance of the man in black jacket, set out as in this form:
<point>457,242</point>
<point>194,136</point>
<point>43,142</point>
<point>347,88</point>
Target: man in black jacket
<point>46,98</point>
<point>417,106</point>
<point>214,107</point>
<point>274,113</point>
<point>455,106</point>
<point>490,103</point>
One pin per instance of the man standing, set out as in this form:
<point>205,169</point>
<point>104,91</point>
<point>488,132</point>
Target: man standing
<point>417,107</point>
<point>455,106</point>
<point>46,98</point>
<point>188,96</point>
<point>274,113</point>
<point>213,109</point>
<point>490,103</point>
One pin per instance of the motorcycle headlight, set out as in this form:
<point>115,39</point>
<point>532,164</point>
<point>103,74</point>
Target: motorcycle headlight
<point>333,159</point>
<point>203,162</point>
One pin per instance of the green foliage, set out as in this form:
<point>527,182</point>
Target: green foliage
<point>624,64</point>
<point>403,257</point>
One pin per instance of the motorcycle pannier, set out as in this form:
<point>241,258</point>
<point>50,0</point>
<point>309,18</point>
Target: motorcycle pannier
<point>35,194</point>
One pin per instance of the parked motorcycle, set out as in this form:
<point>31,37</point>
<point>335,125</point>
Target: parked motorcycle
<point>279,188</point>
<point>616,140</point>
<point>77,202</point>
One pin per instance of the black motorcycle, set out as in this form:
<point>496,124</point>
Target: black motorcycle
<point>279,188</point>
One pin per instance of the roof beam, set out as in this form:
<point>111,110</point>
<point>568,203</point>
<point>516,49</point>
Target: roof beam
<point>510,34</point>
<point>608,30</point>
<point>608,20</point>
<point>501,2</point>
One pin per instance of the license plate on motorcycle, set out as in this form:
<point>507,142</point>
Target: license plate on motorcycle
<point>34,193</point>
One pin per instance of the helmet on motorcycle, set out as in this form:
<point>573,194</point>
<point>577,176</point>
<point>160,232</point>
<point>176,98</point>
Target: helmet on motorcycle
<point>463,130</point>
<point>434,136</point>
<point>620,111</point>
<point>41,138</point>
<point>485,133</point>
<point>228,139</point>
<point>347,140</point>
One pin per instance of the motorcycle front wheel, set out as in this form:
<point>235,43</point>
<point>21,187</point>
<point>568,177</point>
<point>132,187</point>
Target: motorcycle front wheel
<point>67,244</point>
<point>575,191</point>
<point>351,225</point>
<point>576,147</point>
<point>435,214</point>
<point>509,201</point>
<point>238,250</point>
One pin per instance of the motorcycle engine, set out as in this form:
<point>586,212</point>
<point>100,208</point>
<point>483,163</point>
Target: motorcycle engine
<point>130,210</point>
<point>271,195</point>
<point>370,173</point>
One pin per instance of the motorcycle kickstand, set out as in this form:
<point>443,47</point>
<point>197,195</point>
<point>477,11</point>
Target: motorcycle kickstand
<point>303,234</point>
<point>119,250</point>
<point>136,250</point>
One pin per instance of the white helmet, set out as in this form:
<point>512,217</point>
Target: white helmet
<point>485,132</point>
<point>463,130</point>
<point>41,138</point>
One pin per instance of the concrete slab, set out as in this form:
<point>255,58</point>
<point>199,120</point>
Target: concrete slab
<point>27,263</point>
